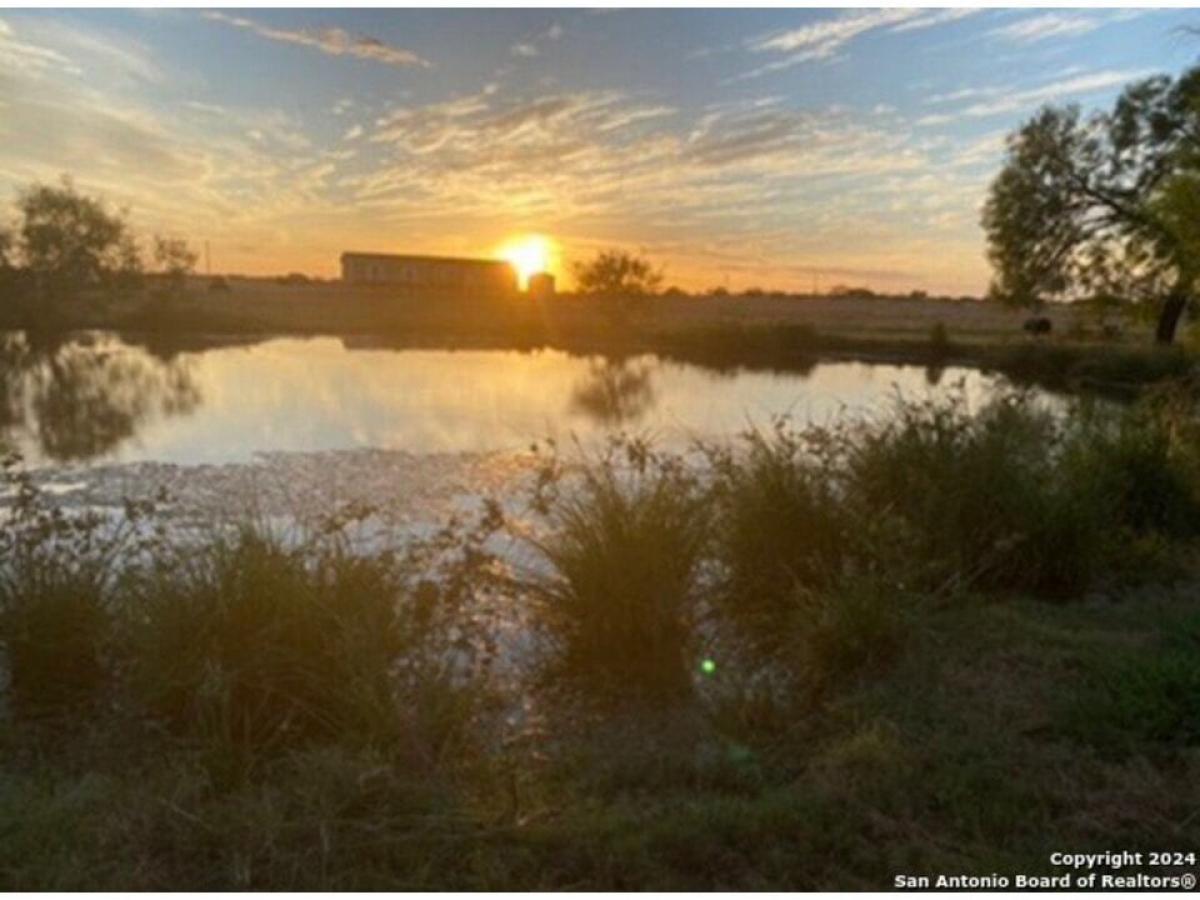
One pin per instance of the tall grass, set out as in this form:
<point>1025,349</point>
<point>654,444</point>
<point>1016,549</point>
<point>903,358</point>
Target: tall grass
<point>981,497</point>
<point>254,645</point>
<point>783,530</point>
<point>623,552</point>
<point>59,575</point>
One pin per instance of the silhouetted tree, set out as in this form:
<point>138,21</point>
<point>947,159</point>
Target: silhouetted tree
<point>175,261</point>
<point>617,273</point>
<point>845,290</point>
<point>68,242</point>
<point>1104,204</point>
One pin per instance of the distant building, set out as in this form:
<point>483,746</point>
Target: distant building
<point>429,273</point>
<point>541,285</point>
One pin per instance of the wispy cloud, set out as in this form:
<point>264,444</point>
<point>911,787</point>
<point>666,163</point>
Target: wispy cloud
<point>28,57</point>
<point>332,41</point>
<point>523,50</point>
<point>933,17</point>
<point>995,100</point>
<point>1046,26</point>
<point>821,40</point>
<point>828,36</point>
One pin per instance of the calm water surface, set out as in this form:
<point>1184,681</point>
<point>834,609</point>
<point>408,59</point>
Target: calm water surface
<point>98,398</point>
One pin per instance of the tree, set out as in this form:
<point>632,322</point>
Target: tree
<point>175,261</point>
<point>1103,205</point>
<point>617,273</point>
<point>69,243</point>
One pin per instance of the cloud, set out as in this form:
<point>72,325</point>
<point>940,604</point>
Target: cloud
<point>1046,26</point>
<point>30,58</point>
<point>935,17</point>
<point>605,157</point>
<point>97,51</point>
<point>994,100</point>
<point>353,133</point>
<point>529,48</point>
<point>821,40</point>
<point>331,41</point>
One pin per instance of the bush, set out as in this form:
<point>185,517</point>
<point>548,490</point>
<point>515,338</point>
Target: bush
<point>624,549</point>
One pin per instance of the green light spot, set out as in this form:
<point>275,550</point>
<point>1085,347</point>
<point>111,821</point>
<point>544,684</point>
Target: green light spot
<point>708,667</point>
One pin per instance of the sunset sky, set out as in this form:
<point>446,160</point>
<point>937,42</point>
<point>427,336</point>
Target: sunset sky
<point>755,148</point>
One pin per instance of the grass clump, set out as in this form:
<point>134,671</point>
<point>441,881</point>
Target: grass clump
<point>254,646</point>
<point>1144,462</point>
<point>977,494</point>
<point>783,530</point>
<point>59,575</point>
<point>618,599</point>
<point>855,625</point>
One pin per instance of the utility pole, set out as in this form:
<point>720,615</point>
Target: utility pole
<point>207,259</point>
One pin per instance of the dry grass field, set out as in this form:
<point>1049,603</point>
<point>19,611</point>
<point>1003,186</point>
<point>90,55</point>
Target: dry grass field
<point>335,308</point>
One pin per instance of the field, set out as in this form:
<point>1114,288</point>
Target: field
<point>768,332</point>
<point>332,308</point>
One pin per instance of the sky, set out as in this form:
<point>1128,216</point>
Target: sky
<point>757,148</point>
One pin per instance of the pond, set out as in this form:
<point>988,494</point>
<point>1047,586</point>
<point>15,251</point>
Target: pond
<point>95,397</point>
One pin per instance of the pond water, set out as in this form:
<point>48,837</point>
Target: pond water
<point>100,398</point>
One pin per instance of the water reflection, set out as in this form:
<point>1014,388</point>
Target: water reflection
<point>78,398</point>
<point>96,397</point>
<point>615,392</point>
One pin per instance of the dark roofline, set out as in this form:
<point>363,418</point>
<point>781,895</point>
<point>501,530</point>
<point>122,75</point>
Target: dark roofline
<point>408,257</point>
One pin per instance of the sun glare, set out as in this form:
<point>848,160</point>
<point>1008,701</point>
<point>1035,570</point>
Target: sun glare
<point>528,255</point>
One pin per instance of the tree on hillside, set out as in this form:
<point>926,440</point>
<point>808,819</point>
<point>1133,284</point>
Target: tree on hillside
<point>68,242</point>
<point>175,261</point>
<point>1103,205</point>
<point>617,273</point>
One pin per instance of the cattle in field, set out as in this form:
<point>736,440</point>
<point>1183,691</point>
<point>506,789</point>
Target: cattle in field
<point>1037,326</point>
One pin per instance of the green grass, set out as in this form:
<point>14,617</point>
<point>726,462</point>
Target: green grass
<point>1141,699</point>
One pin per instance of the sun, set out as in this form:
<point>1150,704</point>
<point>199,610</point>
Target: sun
<point>529,255</point>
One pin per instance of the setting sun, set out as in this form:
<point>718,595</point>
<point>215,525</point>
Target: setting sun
<point>529,255</point>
